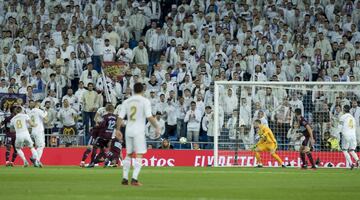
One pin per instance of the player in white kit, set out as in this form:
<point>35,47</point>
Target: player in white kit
<point>20,123</point>
<point>137,109</point>
<point>37,116</point>
<point>348,129</point>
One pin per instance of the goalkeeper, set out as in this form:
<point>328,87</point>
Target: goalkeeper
<point>266,142</point>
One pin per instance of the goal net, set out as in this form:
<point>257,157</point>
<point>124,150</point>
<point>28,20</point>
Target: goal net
<point>239,104</point>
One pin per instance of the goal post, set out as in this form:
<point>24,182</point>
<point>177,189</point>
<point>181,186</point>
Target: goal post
<point>237,104</point>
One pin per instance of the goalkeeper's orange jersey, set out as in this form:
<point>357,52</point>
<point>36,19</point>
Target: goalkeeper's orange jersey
<point>266,135</point>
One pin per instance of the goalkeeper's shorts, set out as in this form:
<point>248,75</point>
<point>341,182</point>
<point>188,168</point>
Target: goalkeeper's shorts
<point>266,147</point>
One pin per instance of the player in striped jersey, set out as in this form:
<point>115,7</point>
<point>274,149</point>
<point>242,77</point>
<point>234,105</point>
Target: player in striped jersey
<point>94,134</point>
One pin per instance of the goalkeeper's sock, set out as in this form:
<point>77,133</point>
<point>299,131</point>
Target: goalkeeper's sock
<point>86,154</point>
<point>277,158</point>
<point>126,167</point>
<point>310,158</point>
<point>347,158</point>
<point>354,155</point>
<point>137,168</point>
<point>302,156</point>
<point>258,158</point>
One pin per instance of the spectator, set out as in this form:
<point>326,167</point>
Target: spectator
<point>75,71</point>
<point>90,75</point>
<point>165,144</point>
<point>150,131</point>
<point>98,46</point>
<point>125,54</point>
<point>108,52</point>
<point>332,142</point>
<point>233,125</point>
<point>70,97</point>
<point>39,85</point>
<point>181,110</point>
<point>295,137</point>
<point>171,119</point>
<point>51,118</point>
<point>141,57</point>
<point>89,100</point>
<point>193,118</point>
<point>137,21</point>
<point>196,146</point>
<point>67,117</point>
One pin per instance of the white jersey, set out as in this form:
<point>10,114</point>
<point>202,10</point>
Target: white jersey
<point>37,117</point>
<point>100,113</point>
<point>348,125</point>
<point>19,122</point>
<point>66,115</point>
<point>137,108</point>
<point>118,109</point>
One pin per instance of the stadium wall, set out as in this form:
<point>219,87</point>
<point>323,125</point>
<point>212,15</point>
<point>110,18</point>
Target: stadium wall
<point>191,158</point>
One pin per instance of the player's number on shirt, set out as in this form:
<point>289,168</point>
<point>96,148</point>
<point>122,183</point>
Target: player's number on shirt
<point>18,124</point>
<point>133,110</point>
<point>111,125</point>
<point>351,124</point>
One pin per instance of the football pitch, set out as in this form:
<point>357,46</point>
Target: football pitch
<point>55,183</point>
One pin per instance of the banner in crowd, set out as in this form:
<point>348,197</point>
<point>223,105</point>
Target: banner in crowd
<point>114,69</point>
<point>191,158</point>
<point>7,100</point>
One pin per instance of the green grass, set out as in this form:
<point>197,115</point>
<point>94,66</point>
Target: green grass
<point>53,183</point>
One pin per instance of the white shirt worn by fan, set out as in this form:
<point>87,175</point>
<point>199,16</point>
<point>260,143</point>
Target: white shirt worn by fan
<point>193,119</point>
<point>67,116</point>
<point>108,53</point>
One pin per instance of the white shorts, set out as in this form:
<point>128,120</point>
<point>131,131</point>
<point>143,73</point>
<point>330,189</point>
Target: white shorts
<point>136,144</point>
<point>23,141</point>
<point>348,143</point>
<point>39,138</point>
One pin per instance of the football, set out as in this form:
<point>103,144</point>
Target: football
<point>183,140</point>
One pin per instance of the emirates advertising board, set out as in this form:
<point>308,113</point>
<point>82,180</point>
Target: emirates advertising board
<point>189,158</point>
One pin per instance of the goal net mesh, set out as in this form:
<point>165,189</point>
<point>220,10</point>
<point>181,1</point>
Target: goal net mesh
<point>238,104</point>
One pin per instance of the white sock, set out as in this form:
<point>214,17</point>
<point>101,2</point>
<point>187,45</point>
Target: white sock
<point>34,153</point>
<point>137,168</point>
<point>354,155</point>
<point>348,158</point>
<point>21,154</point>
<point>126,167</point>
<point>39,152</point>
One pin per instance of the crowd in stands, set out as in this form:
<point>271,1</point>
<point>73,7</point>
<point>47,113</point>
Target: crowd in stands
<point>54,51</point>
